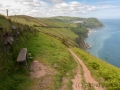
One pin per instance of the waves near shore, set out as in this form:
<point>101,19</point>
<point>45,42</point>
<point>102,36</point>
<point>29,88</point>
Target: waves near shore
<point>104,42</point>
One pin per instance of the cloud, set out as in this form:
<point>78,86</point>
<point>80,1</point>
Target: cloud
<point>1,4</point>
<point>45,8</point>
<point>30,3</point>
<point>21,1</point>
<point>73,7</point>
<point>3,8</point>
<point>56,1</point>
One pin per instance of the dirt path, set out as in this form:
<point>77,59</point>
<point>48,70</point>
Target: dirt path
<point>38,70</point>
<point>90,81</point>
<point>42,76</point>
<point>77,80</point>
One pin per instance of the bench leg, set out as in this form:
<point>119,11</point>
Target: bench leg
<point>26,65</point>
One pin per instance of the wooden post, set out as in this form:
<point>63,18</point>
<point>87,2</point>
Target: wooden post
<point>7,12</point>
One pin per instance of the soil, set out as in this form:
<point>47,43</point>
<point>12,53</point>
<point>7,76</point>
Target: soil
<point>42,76</point>
<point>38,69</point>
<point>90,81</point>
<point>77,81</point>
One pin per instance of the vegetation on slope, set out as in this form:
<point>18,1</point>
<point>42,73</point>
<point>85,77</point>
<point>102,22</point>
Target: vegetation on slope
<point>86,22</point>
<point>44,47</point>
<point>52,52</point>
<point>92,23</point>
<point>39,22</point>
<point>82,32</point>
<point>12,76</point>
<point>57,29</point>
<point>107,75</point>
<point>49,46</point>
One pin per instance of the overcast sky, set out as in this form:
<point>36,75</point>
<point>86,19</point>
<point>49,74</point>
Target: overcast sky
<point>47,8</point>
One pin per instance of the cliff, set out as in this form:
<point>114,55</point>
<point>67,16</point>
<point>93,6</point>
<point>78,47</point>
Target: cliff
<point>82,44</point>
<point>81,29</point>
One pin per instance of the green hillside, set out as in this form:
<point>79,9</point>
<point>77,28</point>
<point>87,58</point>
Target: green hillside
<point>79,21</point>
<point>67,32</point>
<point>107,75</point>
<point>48,41</point>
<point>11,75</point>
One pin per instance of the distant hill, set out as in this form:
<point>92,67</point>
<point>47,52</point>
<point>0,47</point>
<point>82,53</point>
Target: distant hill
<point>86,22</point>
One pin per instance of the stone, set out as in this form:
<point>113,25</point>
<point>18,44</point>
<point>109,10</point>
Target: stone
<point>9,40</point>
<point>13,27</point>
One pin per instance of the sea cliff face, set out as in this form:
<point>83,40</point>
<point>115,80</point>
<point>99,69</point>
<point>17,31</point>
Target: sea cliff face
<point>82,44</point>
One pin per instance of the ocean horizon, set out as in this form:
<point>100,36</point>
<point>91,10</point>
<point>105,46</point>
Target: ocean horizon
<point>105,41</point>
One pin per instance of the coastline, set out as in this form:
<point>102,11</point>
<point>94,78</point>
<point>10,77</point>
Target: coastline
<point>105,42</point>
<point>90,30</point>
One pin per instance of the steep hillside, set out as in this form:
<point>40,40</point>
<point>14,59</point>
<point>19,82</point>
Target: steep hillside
<point>69,33</point>
<point>48,41</point>
<point>43,22</point>
<point>107,75</point>
<point>45,46</point>
<point>14,36</point>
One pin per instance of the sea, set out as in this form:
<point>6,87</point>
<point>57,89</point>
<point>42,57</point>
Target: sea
<point>104,42</point>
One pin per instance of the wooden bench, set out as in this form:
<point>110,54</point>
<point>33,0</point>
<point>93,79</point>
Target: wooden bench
<point>22,57</point>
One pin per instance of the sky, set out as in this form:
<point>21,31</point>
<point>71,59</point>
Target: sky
<point>102,9</point>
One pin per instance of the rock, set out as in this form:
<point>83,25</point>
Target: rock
<point>9,40</point>
<point>18,32</point>
<point>82,44</point>
<point>13,27</point>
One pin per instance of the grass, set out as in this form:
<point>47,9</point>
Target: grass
<point>4,23</point>
<point>43,47</point>
<point>61,32</point>
<point>48,49</point>
<point>52,52</point>
<point>13,76</point>
<point>107,75</point>
<point>32,21</point>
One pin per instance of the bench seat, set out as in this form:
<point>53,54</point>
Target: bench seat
<point>22,55</point>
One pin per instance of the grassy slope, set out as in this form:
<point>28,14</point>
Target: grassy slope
<point>45,48</point>
<point>45,22</point>
<point>12,76</point>
<point>107,75</point>
<point>61,33</point>
<point>51,51</point>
